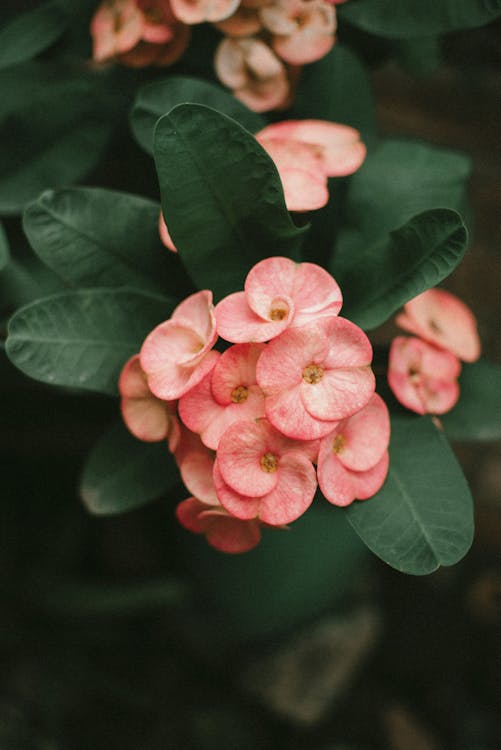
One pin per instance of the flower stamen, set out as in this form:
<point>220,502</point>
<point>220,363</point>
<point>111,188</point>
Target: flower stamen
<point>239,394</point>
<point>269,463</point>
<point>313,374</point>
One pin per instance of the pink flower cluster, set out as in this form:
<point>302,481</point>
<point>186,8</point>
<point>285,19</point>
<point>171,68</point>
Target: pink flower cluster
<point>265,40</point>
<point>423,370</point>
<point>293,391</point>
<point>306,153</point>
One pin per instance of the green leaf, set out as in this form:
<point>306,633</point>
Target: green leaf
<point>477,415</point>
<point>337,88</point>
<point>408,18</point>
<point>30,33</point>
<point>82,339</point>
<point>93,237</point>
<point>423,515</point>
<point>56,122</point>
<point>377,281</point>
<point>221,197</point>
<point>4,248</point>
<point>157,99</point>
<point>398,180</point>
<point>122,473</point>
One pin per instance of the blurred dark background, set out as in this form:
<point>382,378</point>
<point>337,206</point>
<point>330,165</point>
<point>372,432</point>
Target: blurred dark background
<point>101,644</point>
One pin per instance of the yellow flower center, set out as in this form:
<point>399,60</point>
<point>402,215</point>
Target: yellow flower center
<point>269,463</point>
<point>279,310</point>
<point>338,444</point>
<point>313,374</point>
<point>239,394</point>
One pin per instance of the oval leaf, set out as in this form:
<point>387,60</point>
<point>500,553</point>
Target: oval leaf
<point>415,257</point>
<point>122,473</point>
<point>398,180</point>
<point>408,18</point>
<point>82,339</point>
<point>423,515</point>
<point>477,415</point>
<point>94,237</point>
<point>157,99</point>
<point>30,33</point>
<point>221,197</point>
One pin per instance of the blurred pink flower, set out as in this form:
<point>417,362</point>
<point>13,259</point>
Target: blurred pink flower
<point>137,33</point>
<point>222,531</point>
<point>302,30</point>
<point>227,394</point>
<point>196,462</point>
<point>259,473</point>
<point>353,459</point>
<point>198,11</point>
<point>423,377</point>
<point>148,418</point>
<point>442,319</point>
<point>314,376</point>
<point>254,73</point>
<point>177,354</point>
<point>278,294</point>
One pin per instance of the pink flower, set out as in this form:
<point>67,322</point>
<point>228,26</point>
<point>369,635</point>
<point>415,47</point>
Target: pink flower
<point>261,474</point>
<point>278,294</point>
<point>177,354</point>
<point>314,376</point>
<point>442,319</point>
<point>138,33</point>
<point>116,28</point>
<point>423,377</point>
<point>303,30</point>
<point>353,459</point>
<point>244,22</point>
<point>147,417</point>
<point>254,73</point>
<point>227,394</point>
<point>223,532</point>
<point>196,463</point>
<point>199,11</point>
<point>338,147</point>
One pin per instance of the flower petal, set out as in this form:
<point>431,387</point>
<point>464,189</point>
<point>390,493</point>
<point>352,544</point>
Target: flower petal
<point>240,454</point>
<point>293,493</point>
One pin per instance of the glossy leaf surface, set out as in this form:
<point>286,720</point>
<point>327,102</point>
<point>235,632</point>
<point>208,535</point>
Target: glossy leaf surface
<point>95,237</point>
<point>82,339</point>
<point>418,255</point>
<point>221,197</point>
<point>122,473</point>
<point>423,515</point>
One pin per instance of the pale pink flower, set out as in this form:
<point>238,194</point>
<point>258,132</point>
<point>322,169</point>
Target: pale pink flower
<point>303,30</point>
<point>353,459</point>
<point>244,22</point>
<point>339,150</point>
<point>444,320</point>
<point>148,418</point>
<point>116,27</point>
<point>423,377</point>
<point>196,462</point>
<point>222,531</point>
<point>252,70</point>
<point>198,11</point>
<point>138,33</point>
<point>278,294</point>
<point>227,394</point>
<point>177,354</point>
<point>259,473</point>
<point>314,376</point>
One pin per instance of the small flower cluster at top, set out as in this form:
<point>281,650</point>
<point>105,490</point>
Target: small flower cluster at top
<point>265,40</point>
<point>247,426</point>
<point>306,153</point>
<point>423,370</point>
